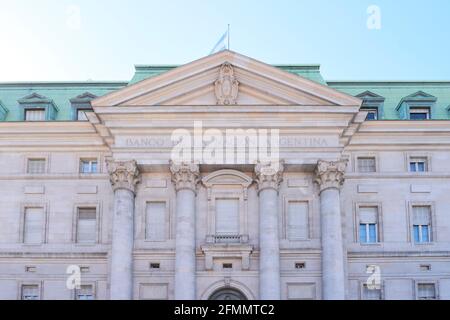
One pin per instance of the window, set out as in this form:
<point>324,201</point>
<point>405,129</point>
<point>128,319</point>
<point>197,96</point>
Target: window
<point>82,104</point>
<point>86,292</point>
<point>372,115</point>
<point>81,114</point>
<point>30,292</point>
<point>85,269</point>
<point>88,166</point>
<point>156,221</point>
<point>36,166</point>
<point>30,269</point>
<point>34,114</point>
<point>419,113</point>
<point>426,291</point>
<point>370,293</point>
<point>33,231</point>
<point>297,228</point>
<point>368,225</point>
<point>418,165</point>
<point>155,266</point>
<point>425,267</point>
<point>373,103</point>
<point>227,266</point>
<point>87,225</point>
<point>300,265</point>
<point>367,165</point>
<point>422,224</point>
<point>227,217</point>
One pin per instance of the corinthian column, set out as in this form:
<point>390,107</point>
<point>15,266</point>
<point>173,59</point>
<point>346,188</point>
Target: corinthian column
<point>269,178</point>
<point>124,178</point>
<point>330,177</point>
<point>185,178</point>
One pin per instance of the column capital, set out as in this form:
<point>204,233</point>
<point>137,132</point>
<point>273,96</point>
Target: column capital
<point>185,175</point>
<point>269,175</point>
<point>123,174</point>
<point>330,174</point>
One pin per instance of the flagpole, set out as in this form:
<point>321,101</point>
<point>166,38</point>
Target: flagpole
<point>228,36</point>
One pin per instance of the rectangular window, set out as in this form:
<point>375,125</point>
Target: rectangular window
<point>227,217</point>
<point>87,225</point>
<point>367,165</point>
<point>33,230</point>
<point>372,115</point>
<point>298,222</point>
<point>368,225</point>
<point>418,165</point>
<point>86,292</point>
<point>422,224</point>
<point>88,166</point>
<point>371,293</point>
<point>34,114</point>
<point>416,113</point>
<point>156,221</point>
<point>426,291</point>
<point>30,292</point>
<point>81,114</point>
<point>36,166</point>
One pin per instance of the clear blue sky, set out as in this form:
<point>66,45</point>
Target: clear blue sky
<point>102,39</point>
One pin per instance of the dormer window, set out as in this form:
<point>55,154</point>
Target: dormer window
<point>80,105</point>
<point>419,113</point>
<point>372,115</point>
<point>34,114</point>
<point>3,112</point>
<point>38,108</point>
<point>81,114</point>
<point>373,104</point>
<point>418,106</point>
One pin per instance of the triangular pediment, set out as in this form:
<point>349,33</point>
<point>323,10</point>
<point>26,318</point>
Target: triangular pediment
<point>85,97</point>
<point>420,95</point>
<point>369,95</point>
<point>226,78</point>
<point>34,97</point>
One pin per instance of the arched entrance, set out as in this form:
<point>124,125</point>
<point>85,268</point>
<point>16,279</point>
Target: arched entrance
<point>228,294</point>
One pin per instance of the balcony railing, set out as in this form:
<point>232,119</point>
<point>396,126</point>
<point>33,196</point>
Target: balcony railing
<point>222,238</point>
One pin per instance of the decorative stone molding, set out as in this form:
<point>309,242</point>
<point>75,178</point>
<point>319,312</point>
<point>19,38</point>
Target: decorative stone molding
<point>226,87</point>
<point>330,174</point>
<point>224,251</point>
<point>269,175</point>
<point>185,175</point>
<point>123,174</point>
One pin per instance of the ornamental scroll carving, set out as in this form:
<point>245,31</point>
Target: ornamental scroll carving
<point>123,174</point>
<point>269,175</point>
<point>226,87</point>
<point>330,174</point>
<point>185,176</point>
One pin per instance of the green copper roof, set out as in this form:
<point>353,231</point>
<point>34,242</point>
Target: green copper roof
<point>395,91</point>
<point>60,94</point>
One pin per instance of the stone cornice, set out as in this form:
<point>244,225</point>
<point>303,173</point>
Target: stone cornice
<point>330,174</point>
<point>269,175</point>
<point>123,174</point>
<point>185,175</point>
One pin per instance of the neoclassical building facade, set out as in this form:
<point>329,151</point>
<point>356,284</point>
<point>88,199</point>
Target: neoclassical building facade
<point>94,205</point>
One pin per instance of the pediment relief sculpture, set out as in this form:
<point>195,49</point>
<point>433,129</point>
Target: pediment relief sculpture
<point>226,87</point>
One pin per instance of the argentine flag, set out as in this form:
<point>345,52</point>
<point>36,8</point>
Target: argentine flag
<point>222,44</point>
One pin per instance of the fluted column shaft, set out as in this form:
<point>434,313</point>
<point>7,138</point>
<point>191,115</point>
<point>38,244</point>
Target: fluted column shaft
<point>330,177</point>
<point>185,178</point>
<point>124,177</point>
<point>269,179</point>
